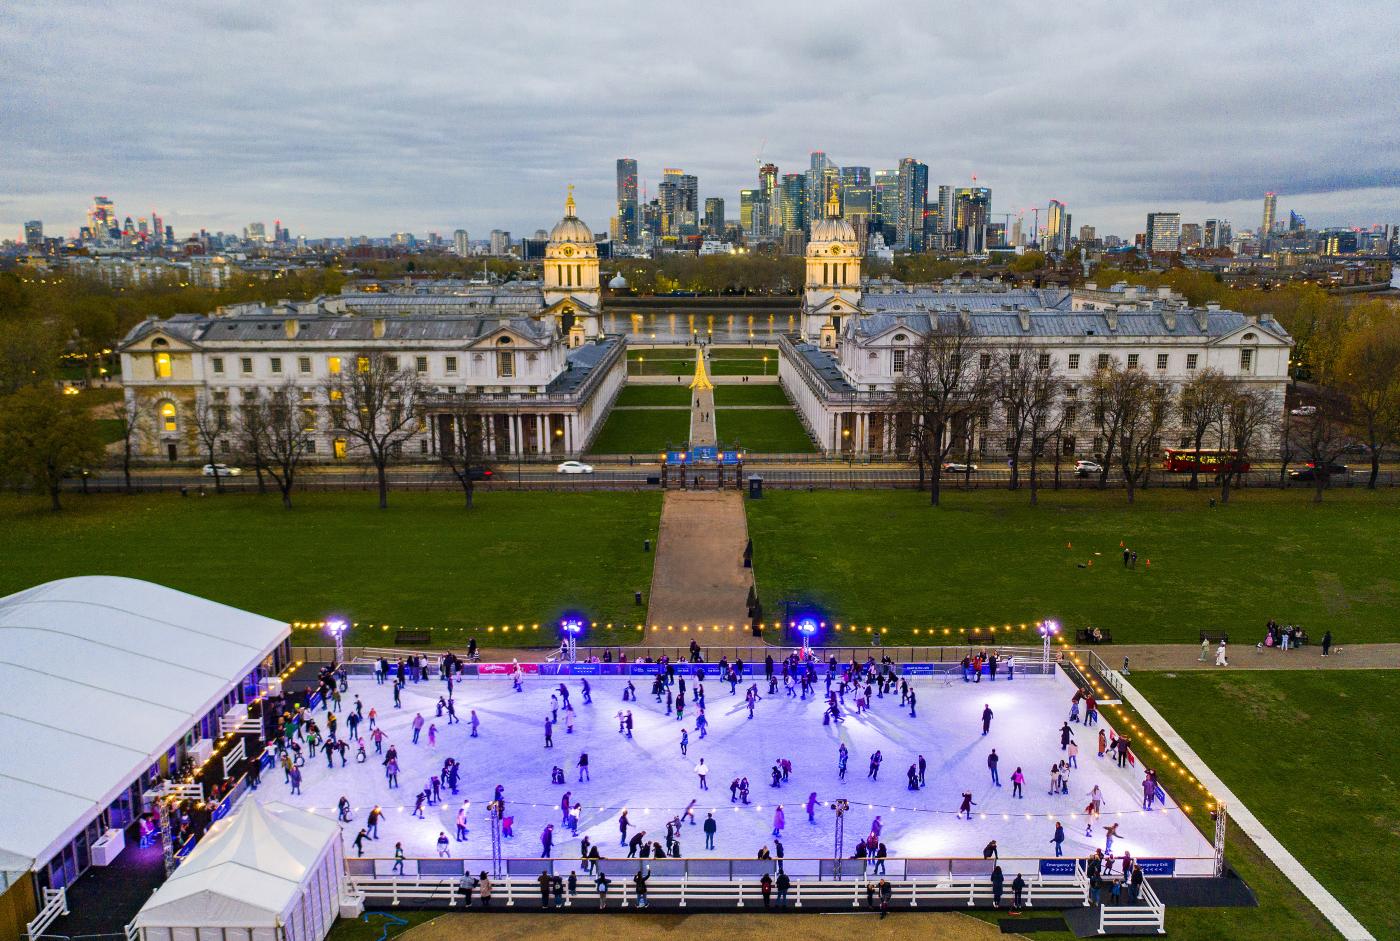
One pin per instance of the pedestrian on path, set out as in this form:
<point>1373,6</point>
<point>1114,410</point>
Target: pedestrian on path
<point>1326,643</point>
<point>1220,660</point>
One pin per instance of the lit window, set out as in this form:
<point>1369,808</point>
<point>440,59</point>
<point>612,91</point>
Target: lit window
<point>167,416</point>
<point>1161,360</point>
<point>340,449</point>
<point>162,365</point>
<point>505,364</point>
<point>362,364</point>
<point>333,365</point>
<point>335,395</point>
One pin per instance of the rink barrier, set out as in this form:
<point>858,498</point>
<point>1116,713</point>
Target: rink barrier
<point>1150,912</point>
<point>903,653</point>
<point>946,669</point>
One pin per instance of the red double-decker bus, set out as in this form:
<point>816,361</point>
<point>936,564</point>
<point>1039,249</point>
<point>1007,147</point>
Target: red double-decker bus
<point>1184,461</point>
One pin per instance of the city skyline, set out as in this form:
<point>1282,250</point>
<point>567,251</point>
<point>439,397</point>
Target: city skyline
<point>226,120</point>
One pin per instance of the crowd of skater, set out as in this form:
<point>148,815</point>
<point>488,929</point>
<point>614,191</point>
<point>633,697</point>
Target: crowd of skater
<point>343,731</point>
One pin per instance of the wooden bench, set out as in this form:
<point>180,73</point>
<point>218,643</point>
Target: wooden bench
<point>1215,637</point>
<point>1084,635</point>
<point>413,638</point>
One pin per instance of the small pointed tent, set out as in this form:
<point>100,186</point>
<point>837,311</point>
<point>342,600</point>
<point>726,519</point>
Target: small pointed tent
<point>701,380</point>
<point>268,873</point>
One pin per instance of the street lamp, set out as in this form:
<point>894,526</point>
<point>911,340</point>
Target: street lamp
<point>337,628</point>
<point>765,363</point>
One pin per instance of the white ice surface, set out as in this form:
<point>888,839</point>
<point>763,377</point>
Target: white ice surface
<point>648,775</point>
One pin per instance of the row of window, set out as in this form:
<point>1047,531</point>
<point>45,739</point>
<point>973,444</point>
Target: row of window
<point>505,365</point>
<point>1104,359</point>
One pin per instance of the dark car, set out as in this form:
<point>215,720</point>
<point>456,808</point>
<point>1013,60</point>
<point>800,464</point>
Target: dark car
<point>478,473</point>
<point>1311,473</point>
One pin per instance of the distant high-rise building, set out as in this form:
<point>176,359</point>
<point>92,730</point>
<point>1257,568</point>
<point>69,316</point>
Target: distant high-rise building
<point>500,242</point>
<point>1296,223</point>
<point>751,211</point>
<point>768,182</point>
<point>102,217</point>
<point>1088,234</point>
<point>857,200</point>
<point>255,232</point>
<point>627,200</point>
<point>1018,237</point>
<point>1191,236</point>
<point>34,233</point>
<point>1217,234</point>
<point>913,199</point>
<point>1163,232</point>
<point>688,212</point>
<point>461,245</point>
<point>792,208</point>
<point>1266,229</point>
<point>972,210</point>
<point>817,185</point>
<point>1057,228</point>
<point>714,216</point>
<point>885,200</point>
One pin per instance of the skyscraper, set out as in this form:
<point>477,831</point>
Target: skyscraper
<point>945,208</point>
<point>1191,236</point>
<point>1057,227</point>
<point>714,216</point>
<point>627,200</point>
<point>913,198</point>
<point>461,245</point>
<point>1270,211</point>
<point>972,210</point>
<point>1296,223</point>
<point>768,182</point>
<point>793,202</point>
<point>857,200</point>
<point>34,233</point>
<point>751,209</point>
<point>817,185</point>
<point>1163,232</point>
<point>885,201</point>
<point>688,212</point>
<point>102,217</point>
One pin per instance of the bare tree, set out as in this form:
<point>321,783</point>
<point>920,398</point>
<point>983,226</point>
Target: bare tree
<point>1016,379</point>
<point>1245,416</point>
<point>252,415</point>
<point>128,413</point>
<point>1202,403</point>
<point>1103,391</point>
<point>1368,371</point>
<point>1044,418</point>
<point>210,425</point>
<point>947,378</point>
<point>1320,439</point>
<point>378,406</point>
<point>462,441</point>
<point>281,426</point>
<point>1135,409</point>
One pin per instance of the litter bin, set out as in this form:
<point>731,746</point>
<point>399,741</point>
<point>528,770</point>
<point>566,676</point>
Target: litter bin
<point>755,487</point>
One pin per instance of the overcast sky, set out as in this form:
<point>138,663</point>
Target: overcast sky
<point>365,118</point>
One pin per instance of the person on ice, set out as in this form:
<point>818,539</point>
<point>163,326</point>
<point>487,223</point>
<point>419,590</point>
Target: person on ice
<point>779,821</point>
<point>685,741</point>
<point>546,841</point>
<point>710,827</point>
<point>967,804</point>
<point>986,718</point>
<point>812,807</point>
<point>992,761</point>
<point>702,770</point>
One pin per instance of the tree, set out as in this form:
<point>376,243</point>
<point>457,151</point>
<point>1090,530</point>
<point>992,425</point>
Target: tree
<point>1134,411</point>
<point>947,379</point>
<point>1368,372</point>
<point>252,417</point>
<point>281,426</point>
<point>1044,418</point>
<point>129,413</point>
<point>1202,402</point>
<point>1016,378</point>
<point>1320,439</point>
<point>1102,392</point>
<point>44,436</point>
<point>1244,416</point>
<point>378,406</point>
<point>28,354</point>
<point>210,425</point>
<point>462,442</point>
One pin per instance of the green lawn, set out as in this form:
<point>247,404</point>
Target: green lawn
<point>425,562</point>
<point>745,366</point>
<point>678,395</point>
<point>771,431</point>
<point>988,558</point>
<point>664,352</point>
<point>661,367</point>
<point>643,432</point>
<point>1307,752</point>
<point>772,394</point>
<point>109,429</point>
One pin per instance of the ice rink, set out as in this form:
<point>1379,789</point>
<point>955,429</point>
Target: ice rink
<point>648,775</point>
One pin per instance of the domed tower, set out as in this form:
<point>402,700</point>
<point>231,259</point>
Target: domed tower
<point>571,292</point>
<point>832,286</point>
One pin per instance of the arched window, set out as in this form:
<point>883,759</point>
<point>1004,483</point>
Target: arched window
<point>167,417</point>
<point>1249,338</point>
<point>162,365</point>
<point>900,338</point>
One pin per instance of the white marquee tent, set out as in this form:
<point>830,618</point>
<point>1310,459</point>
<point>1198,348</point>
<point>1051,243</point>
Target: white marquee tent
<point>267,873</point>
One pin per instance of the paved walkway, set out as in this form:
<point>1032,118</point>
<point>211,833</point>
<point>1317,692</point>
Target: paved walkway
<point>699,575</point>
<point>1248,657</point>
<point>702,414</point>
<point>1287,863</point>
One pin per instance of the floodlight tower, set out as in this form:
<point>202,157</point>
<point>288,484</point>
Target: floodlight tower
<point>840,806</point>
<point>337,628</point>
<point>806,629</point>
<point>1048,631</point>
<point>571,626</point>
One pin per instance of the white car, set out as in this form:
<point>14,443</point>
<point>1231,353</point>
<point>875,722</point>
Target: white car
<point>574,467</point>
<point>1085,468</point>
<point>1304,410</point>
<point>959,467</point>
<point>221,470</point>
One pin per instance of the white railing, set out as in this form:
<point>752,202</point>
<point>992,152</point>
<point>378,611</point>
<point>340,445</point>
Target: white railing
<point>133,933</point>
<point>1148,913</point>
<point>233,756</point>
<point>55,905</point>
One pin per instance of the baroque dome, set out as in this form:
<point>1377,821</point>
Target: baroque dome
<point>570,228</point>
<point>833,230</point>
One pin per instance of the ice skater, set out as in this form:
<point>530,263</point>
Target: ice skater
<point>842,756</point>
<point>702,771</point>
<point>986,718</point>
<point>1018,779</point>
<point>874,771</point>
<point>967,804</point>
<point>812,807</point>
<point>685,741</point>
<point>992,761</point>
<point>779,821</point>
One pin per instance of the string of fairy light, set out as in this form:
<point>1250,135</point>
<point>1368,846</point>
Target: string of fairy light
<point>1006,630</point>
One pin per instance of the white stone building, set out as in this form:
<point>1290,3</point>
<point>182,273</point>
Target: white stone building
<point>534,359</point>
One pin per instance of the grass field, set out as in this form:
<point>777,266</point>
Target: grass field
<point>642,432</point>
<point>425,562</point>
<point>771,394</point>
<point>664,352</point>
<point>744,366</point>
<point>109,429</point>
<point>677,395</point>
<point>772,431</point>
<point>1308,753</point>
<point>984,558</point>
